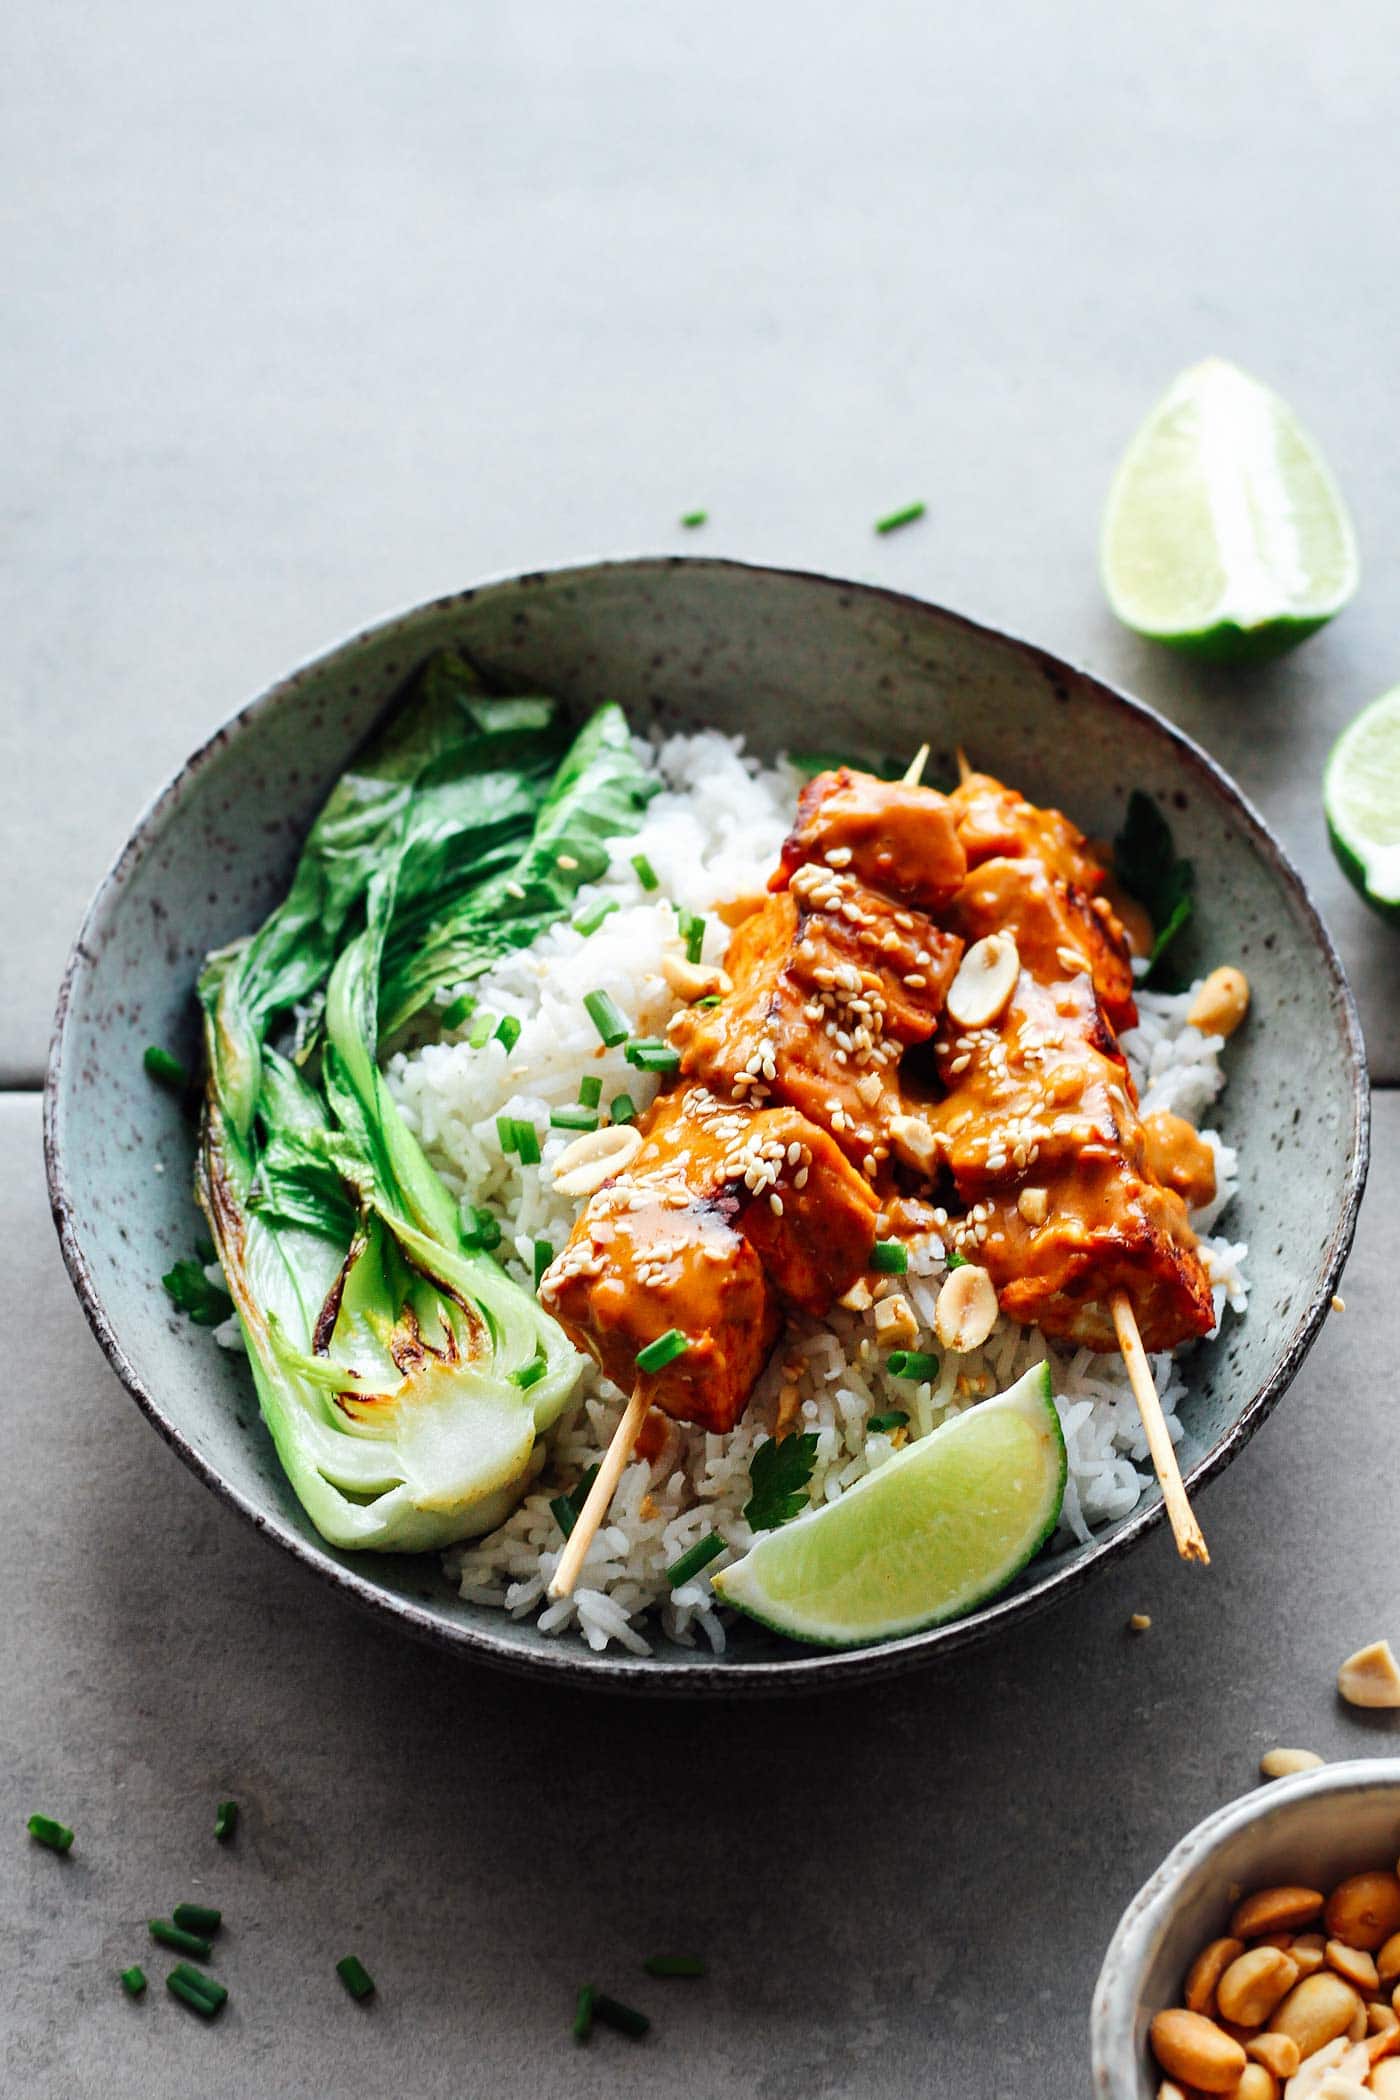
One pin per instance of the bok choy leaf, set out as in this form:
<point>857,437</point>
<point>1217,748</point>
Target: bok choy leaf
<point>404,1377</point>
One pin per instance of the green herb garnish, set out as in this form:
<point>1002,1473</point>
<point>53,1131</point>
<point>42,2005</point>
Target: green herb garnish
<point>208,1986</point>
<point>917,1364</point>
<point>542,1254</point>
<point>649,1054</point>
<point>355,1976</point>
<point>623,1109</point>
<point>954,1260</point>
<point>527,1143</point>
<point>566,1508</point>
<point>583,2012</point>
<point>197,1917</point>
<point>889,1257</point>
<point>779,1477</point>
<point>881,1425</point>
<point>589,921</point>
<point>692,932</point>
<point>482,1030</point>
<point>508,1031</point>
<point>664,1350</point>
<point>606,1017</point>
<point>55,1837</point>
<point>694,1559</point>
<point>204,1997</point>
<point>1145,861</point>
<point>480,1228</point>
<point>133,1980</point>
<point>896,518</point>
<point>590,1090</point>
<point>188,1287</point>
<point>225,1821</point>
<point>165,1069</point>
<point>170,1935</point>
<point>573,1119</point>
<point>646,873</point>
<point>691,518</point>
<point>625,2018</point>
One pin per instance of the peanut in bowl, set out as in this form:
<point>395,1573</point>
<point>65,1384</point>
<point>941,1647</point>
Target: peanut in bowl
<point>1176,1945</point>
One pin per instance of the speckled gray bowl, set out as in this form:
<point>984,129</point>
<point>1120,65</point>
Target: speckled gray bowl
<point>1311,1831</point>
<point>787,659</point>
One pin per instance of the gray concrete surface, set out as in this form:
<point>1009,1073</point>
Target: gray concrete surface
<point>906,1892</point>
<point>315,312</point>
<point>318,311</point>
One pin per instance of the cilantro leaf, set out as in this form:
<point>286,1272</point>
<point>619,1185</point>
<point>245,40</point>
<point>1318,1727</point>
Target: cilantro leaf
<point>1146,863</point>
<point>779,1475</point>
<point>192,1291</point>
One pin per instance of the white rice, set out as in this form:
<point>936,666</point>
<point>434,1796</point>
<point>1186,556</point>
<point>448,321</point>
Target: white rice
<point>712,832</point>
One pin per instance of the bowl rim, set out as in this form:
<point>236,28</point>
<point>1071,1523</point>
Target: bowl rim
<point>1117,1992</point>
<point>659,1675</point>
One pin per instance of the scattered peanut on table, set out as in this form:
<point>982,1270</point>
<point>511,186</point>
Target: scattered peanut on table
<point>1299,1999</point>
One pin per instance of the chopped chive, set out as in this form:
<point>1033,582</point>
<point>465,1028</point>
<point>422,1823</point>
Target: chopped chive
<point>527,1143</point>
<point>674,1965</point>
<point>710,999</point>
<point>956,1260</point>
<point>881,1425</point>
<point>225,1821</point>
<point>589,921</point>
<point>590,1090</point>
<point>889,1257</point>
<point>506,1127</point>
<point>175,1936</point>
<point>583,2012</point>
<point>896,518</point>
<point>480,1228</point>
<point>692,932</point>
<point>566,1507</point>
<point>691,518</point>
<point>694,1559</point>
<point>133,1980</point>
<point>623,1109</point>
<point>56,1837</point>
<point>646,873</point>
<point>482,1030</point>
<point>165,1069</point>
<point>508,1031</point>
<point>208,1985</point>
<point>625,2018</point>
<point>197,1917</point>
<point>355,1976</point>
<point>664,1350</point>
<point>200,2000</point>
<point>573,1119</point>
<point>917,1364</point>
<point>543,1255</point>
<point>606,1018</point>
<point>649,1054</point>
<point>526,1375</point>
<point>458,1010</point>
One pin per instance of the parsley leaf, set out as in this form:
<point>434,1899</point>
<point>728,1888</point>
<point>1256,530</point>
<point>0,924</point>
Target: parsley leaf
<point>778,1476</point>
<point>1147,866</point>
<point>192,1291</point>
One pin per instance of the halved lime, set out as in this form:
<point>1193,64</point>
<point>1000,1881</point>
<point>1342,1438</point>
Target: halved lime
<point>1361,796</point>
<point>1225,534</point>
<point>938,1529</point>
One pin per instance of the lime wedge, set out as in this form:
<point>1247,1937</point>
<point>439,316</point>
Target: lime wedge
<point>1361,796</point>
<point>938,1529</point>
<point>1225,534</point>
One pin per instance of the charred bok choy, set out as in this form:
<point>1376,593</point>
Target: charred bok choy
<point>403,1375</point>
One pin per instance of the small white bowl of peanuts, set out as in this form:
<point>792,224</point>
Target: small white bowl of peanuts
<point>1262,1960</point>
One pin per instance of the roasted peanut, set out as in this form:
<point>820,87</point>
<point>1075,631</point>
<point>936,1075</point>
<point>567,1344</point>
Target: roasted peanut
<point>1354,1963</point>
<point>1195,2050</point>
<point>1309,1950</point>
<point>1282,1909</point>
<point>1381,2018</point>
<point>1281,1764</point>
<point>966,1309</point>
<point>594,1158</point>
<point>1316,2011</point>
<point>1278,2053</point>
<point>1364,1910</point>
<point>986,978</point>
<point>1388,1958</point>
<point>1358,2029</point>
<point>1206,1971</point>
<point>690,980</point>
<point>1257,2083</point>
<point>1221,1003</point>
<point>1371,1677</point>
<point>1253,1985</point>
<point>895,1325</point>
<point>1385,2079</point>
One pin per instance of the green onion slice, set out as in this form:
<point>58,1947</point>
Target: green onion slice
<point>623,1109</point>
<point>457,1010</point>
<point>646,873</point>
<point>917,1364</point>
<point>889,1257</point>
<point>165,1069</point>
<point>881,1425</point>
<point>508,1031</point>
<point>896,518</point>
<point>197,1917</point>
<point>649,1054</point>
<point>170,1935</point>
<point>482,1030</point>
<point>573,1119</point>
<point>694,1559</point>
<point>606,1017</point>
<point>590,1090</point>
<point>225,1820</point>
<point>355,1976</point>
<point>664,1350</point>
<point>543,1254</point>
<point>194,1995</point>
<point>56,1837</point>
<point>133,1980</point>
<point>589,921</point>
<point>527,1143</point>
<point>583,2012</point>
<point>625,2018</point>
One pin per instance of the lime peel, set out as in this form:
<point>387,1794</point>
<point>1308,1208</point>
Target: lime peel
<point>1361,798</point>
<point>937,1530</point>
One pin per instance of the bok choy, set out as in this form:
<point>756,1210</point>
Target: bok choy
<point>404,1377</point>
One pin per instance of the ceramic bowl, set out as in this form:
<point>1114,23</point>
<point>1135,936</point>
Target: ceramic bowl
<point>1311,1830</point>
<point>787,659</point>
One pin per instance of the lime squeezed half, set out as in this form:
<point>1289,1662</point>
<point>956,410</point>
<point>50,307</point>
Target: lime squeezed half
<point>1361,796</point>
<point>1225,534</point>
<point>942,1526</point>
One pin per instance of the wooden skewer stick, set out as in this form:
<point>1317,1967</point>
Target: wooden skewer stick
<point>1190,1543</point>
<point>599,1498</point>
<point>914,771</point>
<point>964,769</point>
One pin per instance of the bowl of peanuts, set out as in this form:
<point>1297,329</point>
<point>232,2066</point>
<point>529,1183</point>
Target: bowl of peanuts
<point>1262,1959</point>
